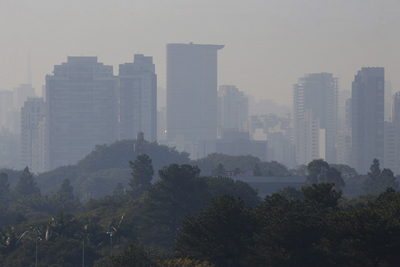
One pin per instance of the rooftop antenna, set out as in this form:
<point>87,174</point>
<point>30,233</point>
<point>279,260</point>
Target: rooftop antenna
<point>29,69</point>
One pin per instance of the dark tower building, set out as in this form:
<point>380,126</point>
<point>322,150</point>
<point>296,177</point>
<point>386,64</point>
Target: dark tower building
<point>367,118</point>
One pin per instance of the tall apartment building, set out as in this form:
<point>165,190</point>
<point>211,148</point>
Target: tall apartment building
<point>317,92</point>
<point>138,98</point>
<point>396,126</point>
<point>6,106</point>
<point>367,117</point>
<point>390,136</point>
<point>21,94</point>
<point>344,136</point>
<point>81,109</point>
<point>32,116</point>
<point>234,108</point>
<point>307,138</point>
<point>192,92</point>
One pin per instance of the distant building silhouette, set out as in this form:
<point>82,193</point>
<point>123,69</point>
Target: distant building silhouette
<point>233,107</point>
<point>396,125</point>
<point>6,106</point>
<point>367,117</point>
<point>138,98</point>
<point>317,92</point>
<point>21,94</point>
<point>82,109</point>
<point>308,146</point>
<point>32,117</point>
<point>192,92</point>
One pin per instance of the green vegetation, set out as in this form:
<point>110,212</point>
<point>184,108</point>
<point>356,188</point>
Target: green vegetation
<point>99,172</point>
<point>188,219</point>
<point>377,181</point>
<point>142,174</point>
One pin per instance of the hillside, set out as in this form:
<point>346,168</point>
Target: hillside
<point>98,173</point>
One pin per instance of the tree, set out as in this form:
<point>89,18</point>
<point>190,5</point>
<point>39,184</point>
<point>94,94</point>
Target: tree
<point>292,233</point>
<point>4,189</point>
<point>142,174</point>
<point>369,235</point>
<point>66,189</point>
<point>133,255</point>
<point>321,194</point>
<point>291,193</point>
<point>335,177</point>
<point>119,190</point>
<point>26,185</point>
<point>256,170</point>
<point>220,170</point>
<point>224,185</point>
<point>319,171</point>
<point>237,171</point>
<point>221,234</point>
<point>378,181</point>
<point>179,190</point>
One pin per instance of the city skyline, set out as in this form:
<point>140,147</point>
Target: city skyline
<point>279,40</point>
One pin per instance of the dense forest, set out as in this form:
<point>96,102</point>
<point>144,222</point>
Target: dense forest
<point>167,213</point>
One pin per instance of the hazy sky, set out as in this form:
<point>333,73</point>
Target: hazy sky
<point>268,43</point>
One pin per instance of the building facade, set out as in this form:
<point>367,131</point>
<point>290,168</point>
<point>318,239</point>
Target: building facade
<point>138,98</point>
<point>192,92</point>
<point>307,138</point>
<point>317,92</point>
<point>6,106</point>
<point>234,109</point>
<point>396,125</point>
<point>81,109</point>
<point>21,94</point>
<point>367,118</point>
<point>32,116</point>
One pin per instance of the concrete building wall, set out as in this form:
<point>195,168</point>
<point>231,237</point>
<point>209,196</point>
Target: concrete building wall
<point>138,98</point>
<point>32,115</point>
<point>367,118</point>
<point>319,93</point>
<point>192,91</point>
<point>234,108</point>
<point>82,109</point>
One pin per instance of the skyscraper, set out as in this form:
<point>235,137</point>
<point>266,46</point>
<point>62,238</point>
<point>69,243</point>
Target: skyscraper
<point>367,117</point>
<point>32,114</point>
<point>6,106</point>
<point>21,94</point>
<point>192,92</point>
<point>138,98</point>
<point>82,109</point>
<point>396,124</point>
<point>317,92</point>
<point>234,108</point>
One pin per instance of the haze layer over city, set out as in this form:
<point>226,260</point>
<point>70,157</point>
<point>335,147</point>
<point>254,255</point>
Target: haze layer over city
<point>199,133</point>
<point>268,44</point>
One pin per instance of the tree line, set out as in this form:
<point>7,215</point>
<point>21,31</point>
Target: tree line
<point>185,219</point>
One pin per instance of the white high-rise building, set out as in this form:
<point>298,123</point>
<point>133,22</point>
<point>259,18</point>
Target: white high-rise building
<point>138,98</point>
<point>81,110</point>
<point>32,116</point>
<point>317,92</point>
<point>307,138</point>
